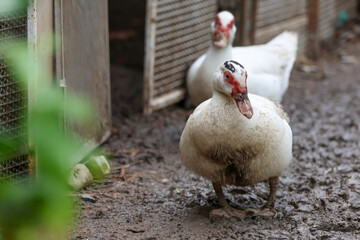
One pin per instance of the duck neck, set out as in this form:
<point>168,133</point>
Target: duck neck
<point>219,53</point>
<point>219,96</point>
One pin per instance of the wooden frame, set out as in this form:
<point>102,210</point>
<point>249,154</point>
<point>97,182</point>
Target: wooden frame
<point>313,29</point>
<point>45,18</point>
<point>150,29</point>
<point>40,23</point>
<point>83,65</point>
<point>177,33</point>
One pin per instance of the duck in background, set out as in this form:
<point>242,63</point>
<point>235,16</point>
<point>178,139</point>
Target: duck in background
<point>237,138</point>
<point>269,65</point>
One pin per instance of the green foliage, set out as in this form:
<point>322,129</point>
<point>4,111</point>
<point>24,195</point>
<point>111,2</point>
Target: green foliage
<point>11,5</point>
<point>6,148</point>
<point>40,208</point>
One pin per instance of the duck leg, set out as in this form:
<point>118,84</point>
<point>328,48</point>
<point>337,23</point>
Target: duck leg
<point>226,211</point>
<point>268,209</point>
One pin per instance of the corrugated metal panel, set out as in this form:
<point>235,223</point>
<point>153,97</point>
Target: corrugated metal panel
<point>13,100</point>
<point>327,18</point>
<point>177,34</point>
<point>276,16</point>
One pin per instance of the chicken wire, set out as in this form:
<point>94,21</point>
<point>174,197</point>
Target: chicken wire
<point>178,32</point>
<point>13,100</point>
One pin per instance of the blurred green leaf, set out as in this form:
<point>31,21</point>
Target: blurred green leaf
<point>78,109</point>
<point>7,148</point>
<point>11,5</point>
<point>40,208</point>
<point>21,64</point>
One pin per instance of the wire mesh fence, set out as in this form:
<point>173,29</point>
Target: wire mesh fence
<point>178,33</point>
<point>13,100</point>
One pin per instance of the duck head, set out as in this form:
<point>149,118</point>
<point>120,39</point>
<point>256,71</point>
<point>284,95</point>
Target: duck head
<point>223,29</point>
<point>230,79</point>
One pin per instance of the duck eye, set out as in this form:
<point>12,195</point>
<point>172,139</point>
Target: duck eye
<point>227,76</point>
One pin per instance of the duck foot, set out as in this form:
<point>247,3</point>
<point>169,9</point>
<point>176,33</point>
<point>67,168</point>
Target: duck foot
<point>262,212</point>
<point>227,212</point>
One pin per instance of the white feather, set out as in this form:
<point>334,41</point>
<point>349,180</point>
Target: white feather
<point>269,66</point>
<point>218,121</point>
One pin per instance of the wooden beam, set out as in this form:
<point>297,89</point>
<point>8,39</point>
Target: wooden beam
<point>167,99</point>
<point>150,27</point>
<point>242,25</point>
<point>247,24</point>
<point>40,28</point>
<point>265,34</point>
<point>253,21</point>
<point>313,29</point>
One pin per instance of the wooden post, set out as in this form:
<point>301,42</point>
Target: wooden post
<point>40,23</point>
<point>313,20</point>
<point>253,16</point>
<point>248,22</point>
<point>150,27</point>
<point>242,25</point>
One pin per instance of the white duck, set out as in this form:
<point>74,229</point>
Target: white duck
<point>237,138</point>
<point>269,65</point>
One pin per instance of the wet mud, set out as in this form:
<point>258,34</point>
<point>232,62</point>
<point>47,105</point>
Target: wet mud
<point>150,195</point>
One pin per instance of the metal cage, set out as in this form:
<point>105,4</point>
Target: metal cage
<point>13,100</point>
<point>80,63</point>
<point>177,33</point>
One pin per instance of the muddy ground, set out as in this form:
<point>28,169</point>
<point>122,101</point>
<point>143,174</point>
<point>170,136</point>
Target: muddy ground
<point>149,195</point>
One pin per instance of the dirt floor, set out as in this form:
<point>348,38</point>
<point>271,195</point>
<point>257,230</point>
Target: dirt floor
<point>150,195</point>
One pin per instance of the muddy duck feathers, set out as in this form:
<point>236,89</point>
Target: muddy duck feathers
<point>235,137</point>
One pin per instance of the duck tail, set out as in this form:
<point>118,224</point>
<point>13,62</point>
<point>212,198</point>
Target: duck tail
<point>286,40</point>
<point>285,45</point>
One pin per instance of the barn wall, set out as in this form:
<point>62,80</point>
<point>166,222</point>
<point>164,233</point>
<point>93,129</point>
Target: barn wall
<point>327,19</point>
<point>346,5</point>
<point>275,11</point>
<point>167,50</point>
<point>276,16</point>
<point>329,12</point>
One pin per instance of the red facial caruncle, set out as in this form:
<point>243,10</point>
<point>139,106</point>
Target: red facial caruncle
<point>236,85</point>
<point>233,73</point>
<point>225,29</point>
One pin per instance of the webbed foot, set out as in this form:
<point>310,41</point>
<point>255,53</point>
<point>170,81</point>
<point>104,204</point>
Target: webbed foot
<point>227,212</point>
<point>263,212</point>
